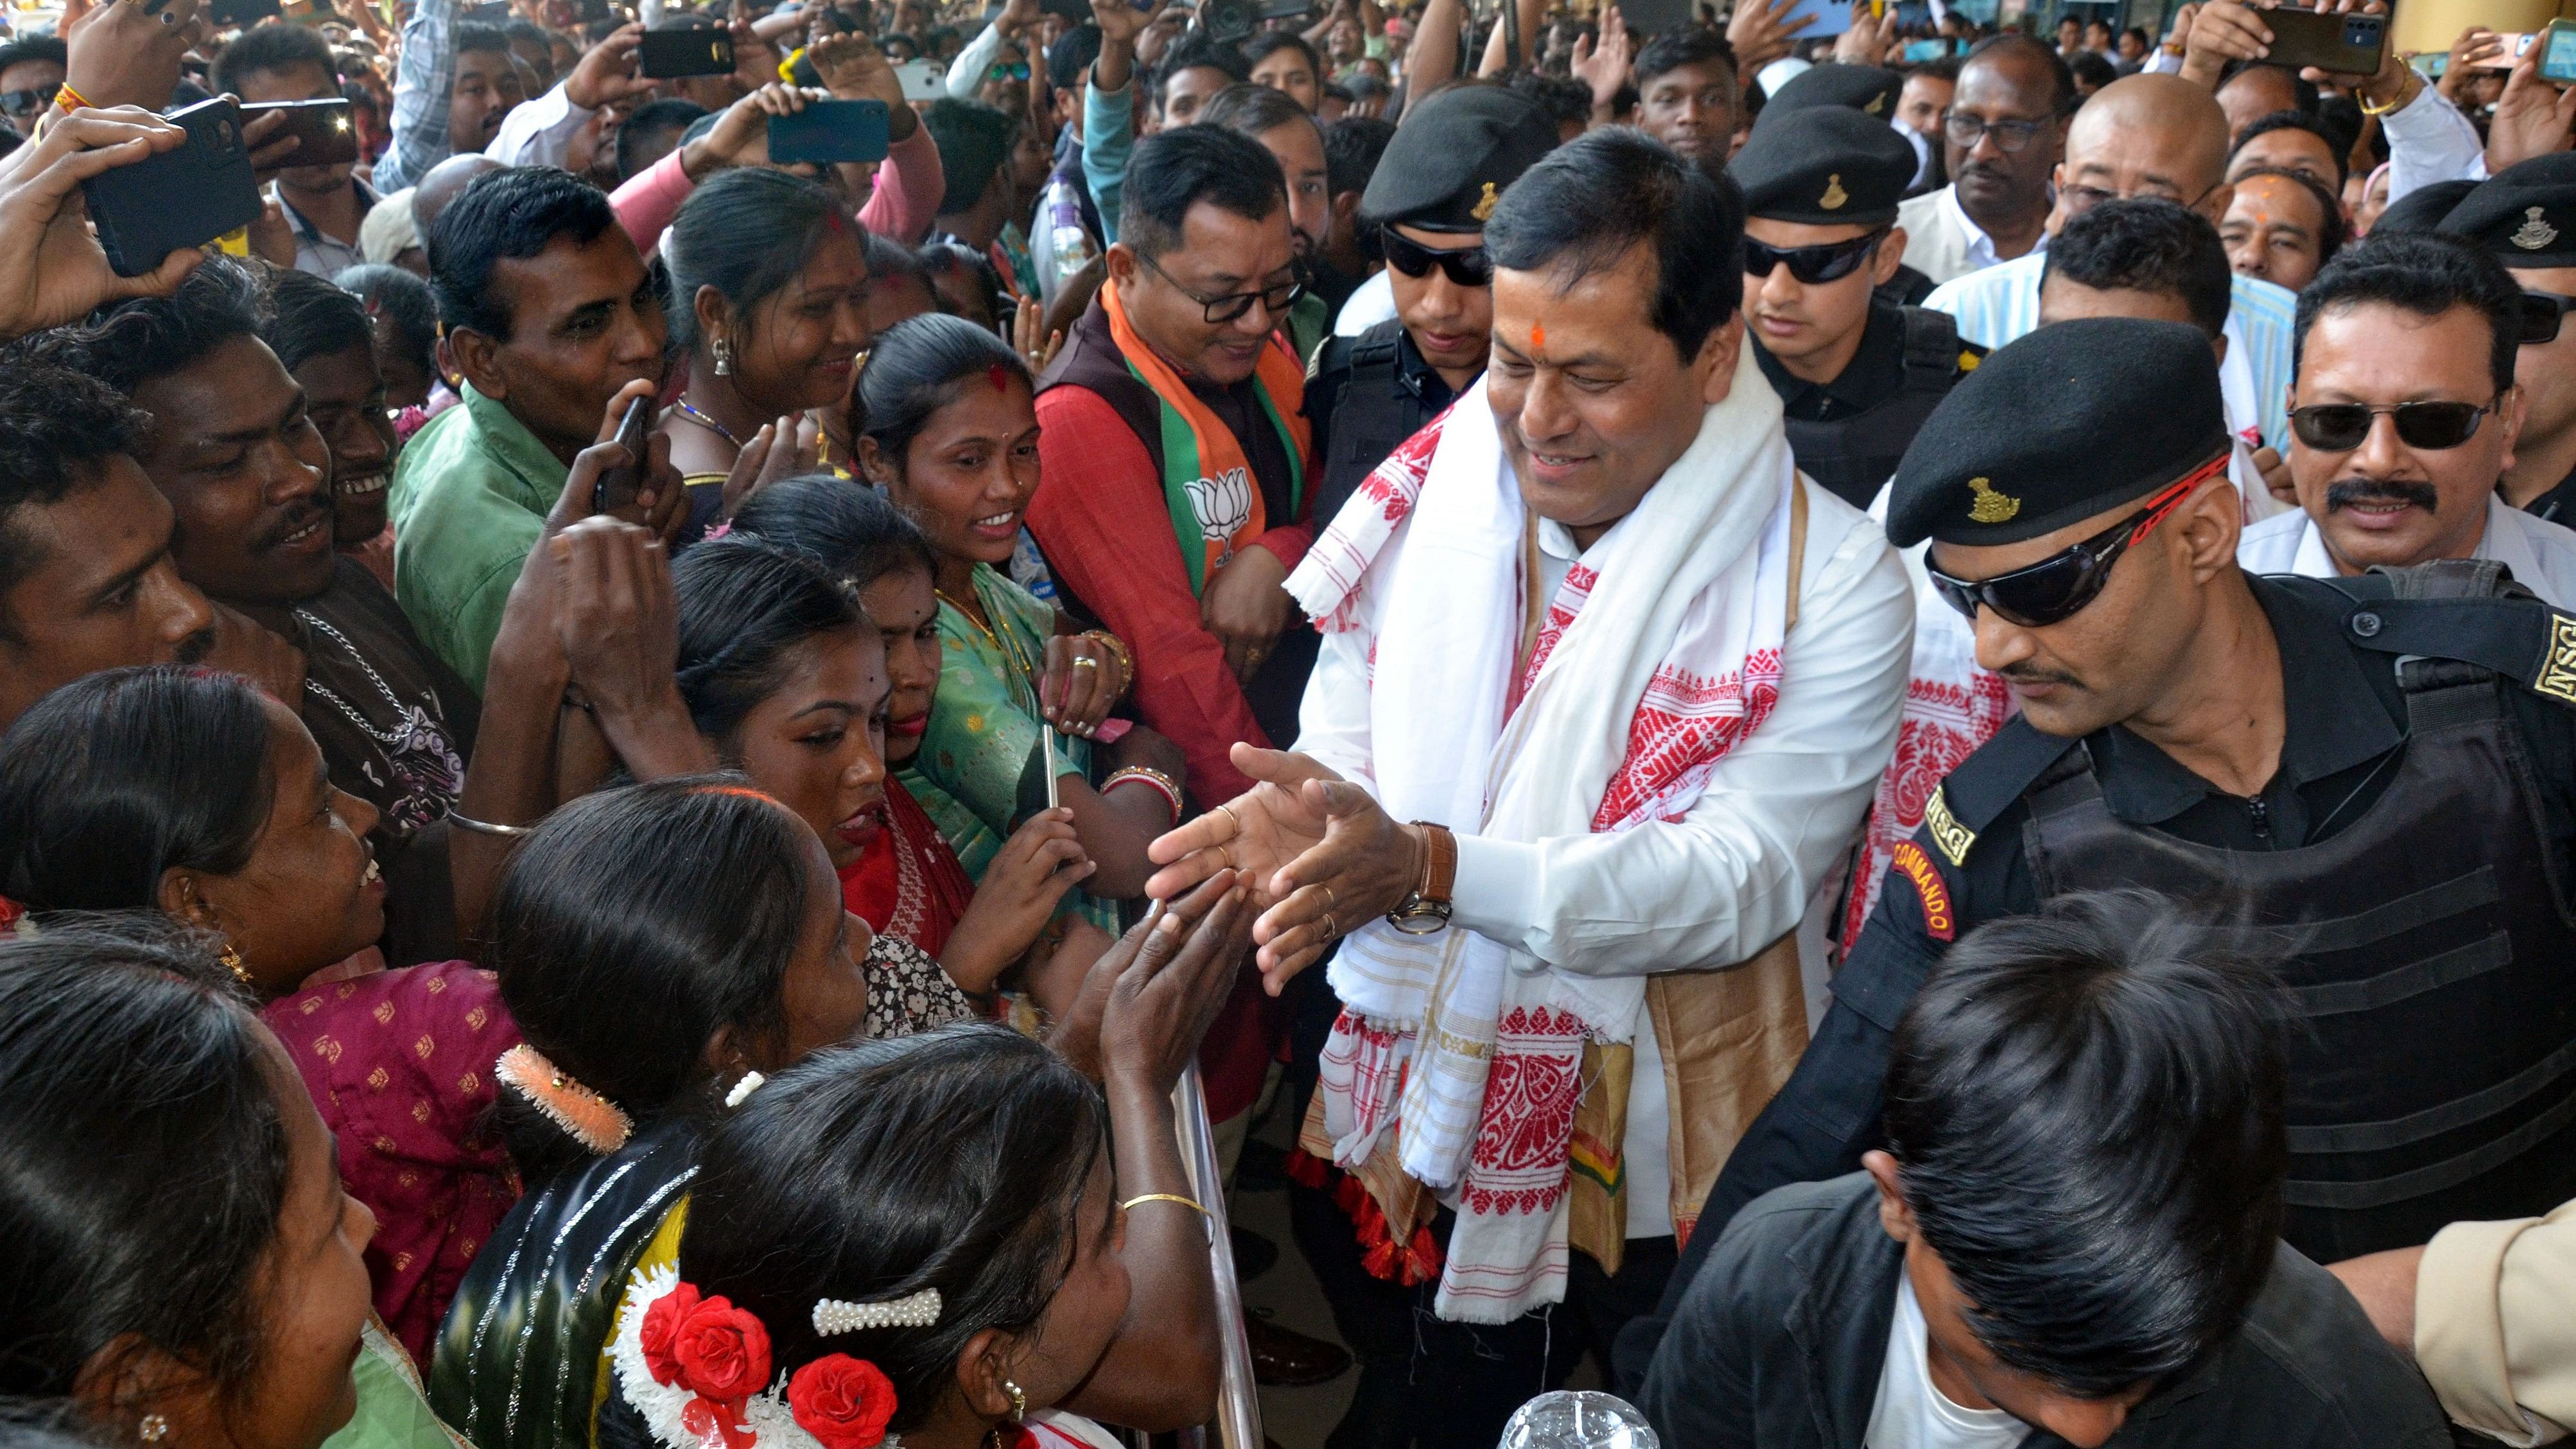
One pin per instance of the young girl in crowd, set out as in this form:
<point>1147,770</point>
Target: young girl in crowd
<point>184,1269</point>
<point>191,793</point>
<point>951,435</point>
<point>931,1238</point>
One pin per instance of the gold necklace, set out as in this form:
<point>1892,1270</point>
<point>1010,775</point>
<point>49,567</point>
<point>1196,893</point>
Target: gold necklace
<point>1008,650</point>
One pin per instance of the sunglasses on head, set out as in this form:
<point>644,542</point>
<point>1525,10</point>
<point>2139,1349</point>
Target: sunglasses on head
<point>27,103</point>
<point>1466,266</point>
<point>1830,262</point>
<point>2342,427</point>
<point>2542,315</point>
<point>2053,589</point>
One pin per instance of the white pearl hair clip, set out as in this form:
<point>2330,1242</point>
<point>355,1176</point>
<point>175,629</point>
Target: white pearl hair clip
<point>750,1083</point>
<point>915,1310</point>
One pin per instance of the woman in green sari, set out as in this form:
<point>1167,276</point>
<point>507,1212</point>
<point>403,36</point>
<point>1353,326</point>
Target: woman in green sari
<point>951,435</point>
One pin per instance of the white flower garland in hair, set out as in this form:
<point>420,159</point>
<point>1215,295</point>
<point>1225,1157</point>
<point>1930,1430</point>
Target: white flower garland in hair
<point>665,1406</point>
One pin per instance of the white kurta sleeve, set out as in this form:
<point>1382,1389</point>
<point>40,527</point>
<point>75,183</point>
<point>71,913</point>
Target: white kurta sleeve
<point>1736,872</point>
<point>1333,717</point>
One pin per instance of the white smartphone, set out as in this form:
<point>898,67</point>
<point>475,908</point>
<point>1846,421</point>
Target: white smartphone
<point>923,80</point>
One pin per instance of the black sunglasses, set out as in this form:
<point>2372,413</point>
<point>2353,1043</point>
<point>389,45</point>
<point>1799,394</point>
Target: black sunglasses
<point>1466,266</point>
<point>28,102</point>
<point>1830,262</point>
<point>2542,315</point>
<point>1277,300</point>
<point>2054,588</point>
<point>2342,427</point>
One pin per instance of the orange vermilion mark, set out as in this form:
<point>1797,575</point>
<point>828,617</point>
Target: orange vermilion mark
<point>1538,337</point>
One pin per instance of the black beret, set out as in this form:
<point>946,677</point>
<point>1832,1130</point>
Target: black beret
<point>2525,214</point>
<point>1823,165</point>
<point>2072,420</point>
<point>1868,89</point>
<point>2423,208</point>
<point>1454,155</point>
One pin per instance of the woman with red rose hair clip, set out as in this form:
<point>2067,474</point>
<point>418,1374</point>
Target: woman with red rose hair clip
<point>926,1240</point>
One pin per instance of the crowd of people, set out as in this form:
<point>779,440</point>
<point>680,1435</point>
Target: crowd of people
<point>1877,731</point>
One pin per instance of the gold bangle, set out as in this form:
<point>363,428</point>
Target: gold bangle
<point>2405,93</point>
<point>1117,648</point>
<point>70,100</point>
<point>1190,1203</point>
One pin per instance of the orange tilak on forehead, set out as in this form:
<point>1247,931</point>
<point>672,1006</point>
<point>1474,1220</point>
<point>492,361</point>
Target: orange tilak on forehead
<point>1538,337</point>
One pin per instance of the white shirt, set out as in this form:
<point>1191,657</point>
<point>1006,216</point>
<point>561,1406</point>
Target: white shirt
<point>1912,1412</point>
<point>540,132</point>
<point>1736,872</point>
<point>2541,554</point>
<point>2428,141</point>
<point>1370,303</point>
<point>1941,242</point>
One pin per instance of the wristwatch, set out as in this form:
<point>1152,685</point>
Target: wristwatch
<point>1427,909</point>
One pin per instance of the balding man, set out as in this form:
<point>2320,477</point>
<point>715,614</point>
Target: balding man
<point>445,182</point>
<point>2005,128</point>
<point>2148,135</point>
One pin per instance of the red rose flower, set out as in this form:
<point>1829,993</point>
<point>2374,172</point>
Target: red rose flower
<point>708,1419</point>
<point>843,1402</point>
<point>661,1322</point>
<point>722,1351</point>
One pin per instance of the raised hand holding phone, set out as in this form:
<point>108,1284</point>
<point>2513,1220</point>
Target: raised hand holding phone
<point>52,270</point>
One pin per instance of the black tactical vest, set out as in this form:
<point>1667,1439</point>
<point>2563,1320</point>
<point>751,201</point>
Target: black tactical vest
<point>1373,414</point>
<point>1853,456</point>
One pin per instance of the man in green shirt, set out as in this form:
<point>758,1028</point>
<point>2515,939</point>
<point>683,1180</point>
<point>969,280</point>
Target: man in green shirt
<point>552,320</point>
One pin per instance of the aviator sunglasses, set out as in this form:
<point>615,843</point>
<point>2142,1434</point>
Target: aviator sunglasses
<point>1466,266</point>
<point>1810,265</point>
<point>2053,589</point>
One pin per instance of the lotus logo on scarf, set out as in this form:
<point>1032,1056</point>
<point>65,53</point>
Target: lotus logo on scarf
<point>1224,506</point>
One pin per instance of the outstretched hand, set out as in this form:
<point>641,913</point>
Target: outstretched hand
<point>51,268</point>
<point>1150,998</point>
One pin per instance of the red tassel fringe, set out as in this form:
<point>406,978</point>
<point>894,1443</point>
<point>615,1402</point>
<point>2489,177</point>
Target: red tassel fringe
<point>1410,1264</point>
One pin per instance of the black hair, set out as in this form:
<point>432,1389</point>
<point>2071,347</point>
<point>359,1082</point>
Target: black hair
<point>2426,273</point>
<point>2330,222</point>
<point>2144,38</point>
<point>745,605</point>
<point>1254,110</point>
<point>1362,86</point>
<point>1353,146</point>
<point>58,427</point>
<point>2293,121</point>
<point>951,258</point>
<point>127,344</point>
<point>2147,244</point>
<point>1333,90</point>
<point>662,118</point>
<point>37,48</point>
<point>681,902</point>
<point>2304,92</point>
<point>1192,50</point>
<point>1172,171</point>
<point>309,317</point>
<point>404,310</point>
<point>848,528</point>
<point>120,776</point>
<point>2085,1108</point>
<point>1680,46</point>
<point>747,232</point>
<point>2092,68</point>
<point>1587,203</point>
<point>521,28</point>
<point>2061,78</point>
<point>1261,47</point>
<point>974,140</point>
<point>141,1118</point>
<point>474,35</point>
<point>890,258</point>
<point>1565,100</point>
<point>1071,55</point>
<point>895,37</point>
<point>955,1160</point>
<point>918,366</point>
<point>511,214</point>
<point>1944,67</point>
<point>273,49</point>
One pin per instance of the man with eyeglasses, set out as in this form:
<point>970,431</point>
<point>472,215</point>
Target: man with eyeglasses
<point>2525,217</point>
<point>1856,373</point>
<point>1427,202</point>
<point>2001,137</point>
<point>2406,413</point>
<point>2320,758</point>
<point>1178,460</point>
<point>31,75</point>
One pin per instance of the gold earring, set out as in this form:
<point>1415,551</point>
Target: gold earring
<point>1019,1401</point>
<point>724,357</point>
<point>232,958</point>
<point>153,1429</point>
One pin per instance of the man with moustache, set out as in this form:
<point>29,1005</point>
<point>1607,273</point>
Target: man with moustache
<point>323,204</point>
<point>2407,410</point>
<point>2002,134</point>
<point>2525,217</point>
<point>2380,772</point>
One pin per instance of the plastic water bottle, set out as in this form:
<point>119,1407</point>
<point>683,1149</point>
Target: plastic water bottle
<point>1570,1420</point>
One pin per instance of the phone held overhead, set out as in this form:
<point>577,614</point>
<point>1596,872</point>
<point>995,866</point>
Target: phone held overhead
<point>180,198</point>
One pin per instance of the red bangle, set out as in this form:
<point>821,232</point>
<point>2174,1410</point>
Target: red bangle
<point>1142,775</point>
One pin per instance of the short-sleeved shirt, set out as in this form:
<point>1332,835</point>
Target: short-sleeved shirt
<point>469,499</point>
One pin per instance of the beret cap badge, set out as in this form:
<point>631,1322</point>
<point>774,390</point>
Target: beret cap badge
<point>1990,506</point>
<point>1485,204</point>
<point>2534,233</point>
<point>1835,197</point>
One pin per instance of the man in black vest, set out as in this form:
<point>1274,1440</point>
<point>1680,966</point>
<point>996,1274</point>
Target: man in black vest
<point>1856,373</point>
<point>2379,773</point>
<point>1427,204</point>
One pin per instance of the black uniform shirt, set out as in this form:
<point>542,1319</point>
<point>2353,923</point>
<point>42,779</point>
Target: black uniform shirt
<point>1324,394</point>
<point>2558,505</point>
<point>1876,371</point>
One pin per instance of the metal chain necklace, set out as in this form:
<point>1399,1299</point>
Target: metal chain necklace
<point>402,712</point>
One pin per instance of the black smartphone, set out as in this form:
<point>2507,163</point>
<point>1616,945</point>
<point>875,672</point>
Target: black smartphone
<point>618,485</point>
<point>229,14</point>
<point>323,131</point>
<point>697,50</point>
<point>2349,43</point>
<point>176,199</point>
<point>829,131</point>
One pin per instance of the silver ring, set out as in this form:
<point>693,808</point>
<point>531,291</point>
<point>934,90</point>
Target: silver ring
<point>1085,661</point>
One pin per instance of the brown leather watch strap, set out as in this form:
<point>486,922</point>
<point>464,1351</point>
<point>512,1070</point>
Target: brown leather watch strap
<point>1439,863</point>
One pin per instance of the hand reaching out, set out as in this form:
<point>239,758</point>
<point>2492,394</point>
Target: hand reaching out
<point>1016,898</point>
<point>51,268</point>
<point>2532,117</point>
<point>1030,338</point>
<point>854,69</point>
<point>1761,32</point>
<point>605,74</point>
<point>1604,67</point>
<point>1168,979</point>
<point>2476,46</point>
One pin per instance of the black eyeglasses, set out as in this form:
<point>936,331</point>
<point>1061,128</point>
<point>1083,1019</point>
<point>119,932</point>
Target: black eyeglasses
<point>1965,131</point>
<point>1466,266</point>
<point>2054,588</point>
<point>29,102</point>
<point>1276,300</point>
<point>2342,427</point>
<point>2078,199</point>
<point>1830,262</point>
<point>2542,315</point>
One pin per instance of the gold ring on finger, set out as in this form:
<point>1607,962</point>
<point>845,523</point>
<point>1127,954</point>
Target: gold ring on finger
<point>1236,821</point>
<point>1085,661</point>
<point>1223,855</point>
<point>1330,930</point>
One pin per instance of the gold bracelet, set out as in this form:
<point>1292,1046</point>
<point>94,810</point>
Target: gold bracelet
<point>1117,648</point>
<point>2405,93</point>
<point>1190,1203</point>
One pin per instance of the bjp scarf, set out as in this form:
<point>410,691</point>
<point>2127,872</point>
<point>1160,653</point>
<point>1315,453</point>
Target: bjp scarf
<point>1207,481</point>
